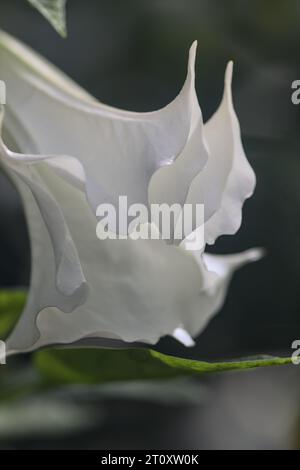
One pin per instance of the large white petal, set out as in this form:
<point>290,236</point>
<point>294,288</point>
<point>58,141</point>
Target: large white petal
<point>119,150</point>
<point>136,288</point>
<point>227,179</point>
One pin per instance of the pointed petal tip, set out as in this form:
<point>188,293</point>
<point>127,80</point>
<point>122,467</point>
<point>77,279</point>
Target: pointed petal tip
<point>184,337</point>
<point>229,73</point>
<point>192,53</point>
<point>194,45</point>
<point>256,254</point>
<point>249,256</point>
<point>226,265</point>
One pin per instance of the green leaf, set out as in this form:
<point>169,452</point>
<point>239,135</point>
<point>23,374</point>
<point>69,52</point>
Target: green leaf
<point>11,306</point>
<point>54,11</point>
<point>91,366</point>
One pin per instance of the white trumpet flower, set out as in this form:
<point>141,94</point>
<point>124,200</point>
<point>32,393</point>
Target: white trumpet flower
<point>67,153</point>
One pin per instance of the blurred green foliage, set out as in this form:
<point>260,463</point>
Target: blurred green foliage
<point>12,303</point>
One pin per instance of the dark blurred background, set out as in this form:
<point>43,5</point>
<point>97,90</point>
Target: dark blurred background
<point>133,54</point>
